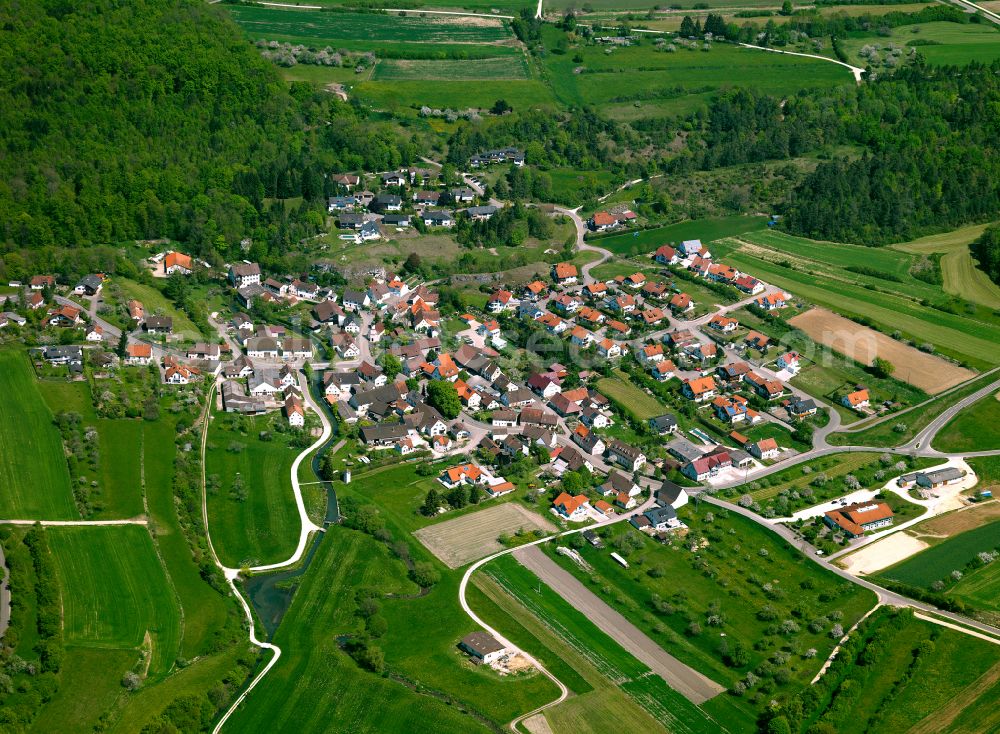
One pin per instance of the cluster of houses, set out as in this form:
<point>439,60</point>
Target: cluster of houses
<point>404,195</point>
<point>615,218</point>
<point>250,284</point>
<point>498,155</point>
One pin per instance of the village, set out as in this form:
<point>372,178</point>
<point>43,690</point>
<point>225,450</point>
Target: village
<point>405,376</point>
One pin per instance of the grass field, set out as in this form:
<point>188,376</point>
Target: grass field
<point>115,592</point>
<point>315,683</point>
<point>961,276</point>
<point>643,405</point>
<point>504,67</point>
<point>953,43</point>
<point>818,274</point>
<point>96,671</point>
<point>671,709</point>
<point>473,536</point>
<point>205,609</point>
<point>912,422</point>
<point>158,304</point>
<point>403,97</point>
<point>952,687</point>
<point>263,527</point>
<point>121,449</point>
<point>639,81</point>
<point>319,28</point>
<point>938,561</point>
<point>706,230</point>
<point>977,428</point>
<point>33,472</point>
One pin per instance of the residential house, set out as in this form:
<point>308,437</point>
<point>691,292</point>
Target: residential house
<point>244,274</point>
<point>589,441</point>
<point>572,508</point>
<point>347,180</point>
<point>387,203</point>
<point>602,222</point>
<point>94,333</point>
<point>351,220</point>
<point>766,388</point>
<point>789,361</point>
<point>665,255</point>
<point>396,220</point>
<point>772,301</point>
<point>158,325</point>
<point>534,290</point>
<point>730,409</point>
<point>295,413</point>
<point>355,300</point>
<point>89,285</point>
<point>138,354</point>
<point>60,355</point>
<point>176,262</point>
<point>801,407</point>
<point>664,425</point>
<point>671,494</point>
<point>699,389</point>
<point>41,282</point>
<point>340,203</point>
<point>662,518</point>
<point>764,449</point>
<point>393,178</point>
<point>723,323</point>
<point>756,340</point>
<point>564,273</point>
<point>664,370</point>
<point>681,303</point>
<point>650,354</point>
<point>500,301</point>
<point>627,456</point>
<point>856,400</point>
<point>653,316</point>
<point>749,284</point>
<point>732,373</point>
<point>707,466</point>
<point>437,218</point>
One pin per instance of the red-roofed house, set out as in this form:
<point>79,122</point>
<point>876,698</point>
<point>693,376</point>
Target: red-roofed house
<point>572,508</point>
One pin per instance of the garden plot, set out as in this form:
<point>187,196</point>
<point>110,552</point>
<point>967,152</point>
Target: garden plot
<point>930,373</point>
<point>474,536</point>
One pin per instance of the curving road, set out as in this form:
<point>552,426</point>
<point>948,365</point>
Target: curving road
<point>231,574</point>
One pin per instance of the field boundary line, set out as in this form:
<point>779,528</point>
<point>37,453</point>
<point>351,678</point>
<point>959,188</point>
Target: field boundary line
<point>957,627</point>
<point>75,523</point>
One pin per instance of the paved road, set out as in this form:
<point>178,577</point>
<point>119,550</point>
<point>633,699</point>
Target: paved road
<point>687,681</point>
<point>111,333</point>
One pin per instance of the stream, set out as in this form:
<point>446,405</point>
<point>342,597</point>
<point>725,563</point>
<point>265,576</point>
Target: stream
<point>271,593</point>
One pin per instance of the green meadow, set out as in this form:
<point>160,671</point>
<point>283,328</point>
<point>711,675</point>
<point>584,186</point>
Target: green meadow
<point>938,561</point>
<point>33,475</point>
<point>115,592</point>
<point>251,508</point>
<point>707,230</point>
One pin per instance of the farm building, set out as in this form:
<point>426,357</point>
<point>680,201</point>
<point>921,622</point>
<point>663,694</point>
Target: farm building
<point>855,520</point>
<point>482,647</point>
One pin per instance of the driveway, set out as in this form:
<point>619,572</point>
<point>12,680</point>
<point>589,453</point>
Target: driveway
<point>683,679</point>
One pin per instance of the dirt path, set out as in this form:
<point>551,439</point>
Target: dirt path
<point>683,679</point>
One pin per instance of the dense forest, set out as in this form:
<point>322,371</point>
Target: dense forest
<point>155,118</point>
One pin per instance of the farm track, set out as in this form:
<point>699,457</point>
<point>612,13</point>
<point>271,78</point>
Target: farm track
<point>231,574</point>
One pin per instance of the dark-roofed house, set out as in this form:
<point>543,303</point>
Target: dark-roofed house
<point>662,518</point>
<point>350,220</point>
<point>483,647</point>
<point>244,274</point>
<point>627,456</point>
<point>89,285</point>
<point>664,424</point>
<point>158,324</point>
<point>671,494</point>
<point>384,434</point>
